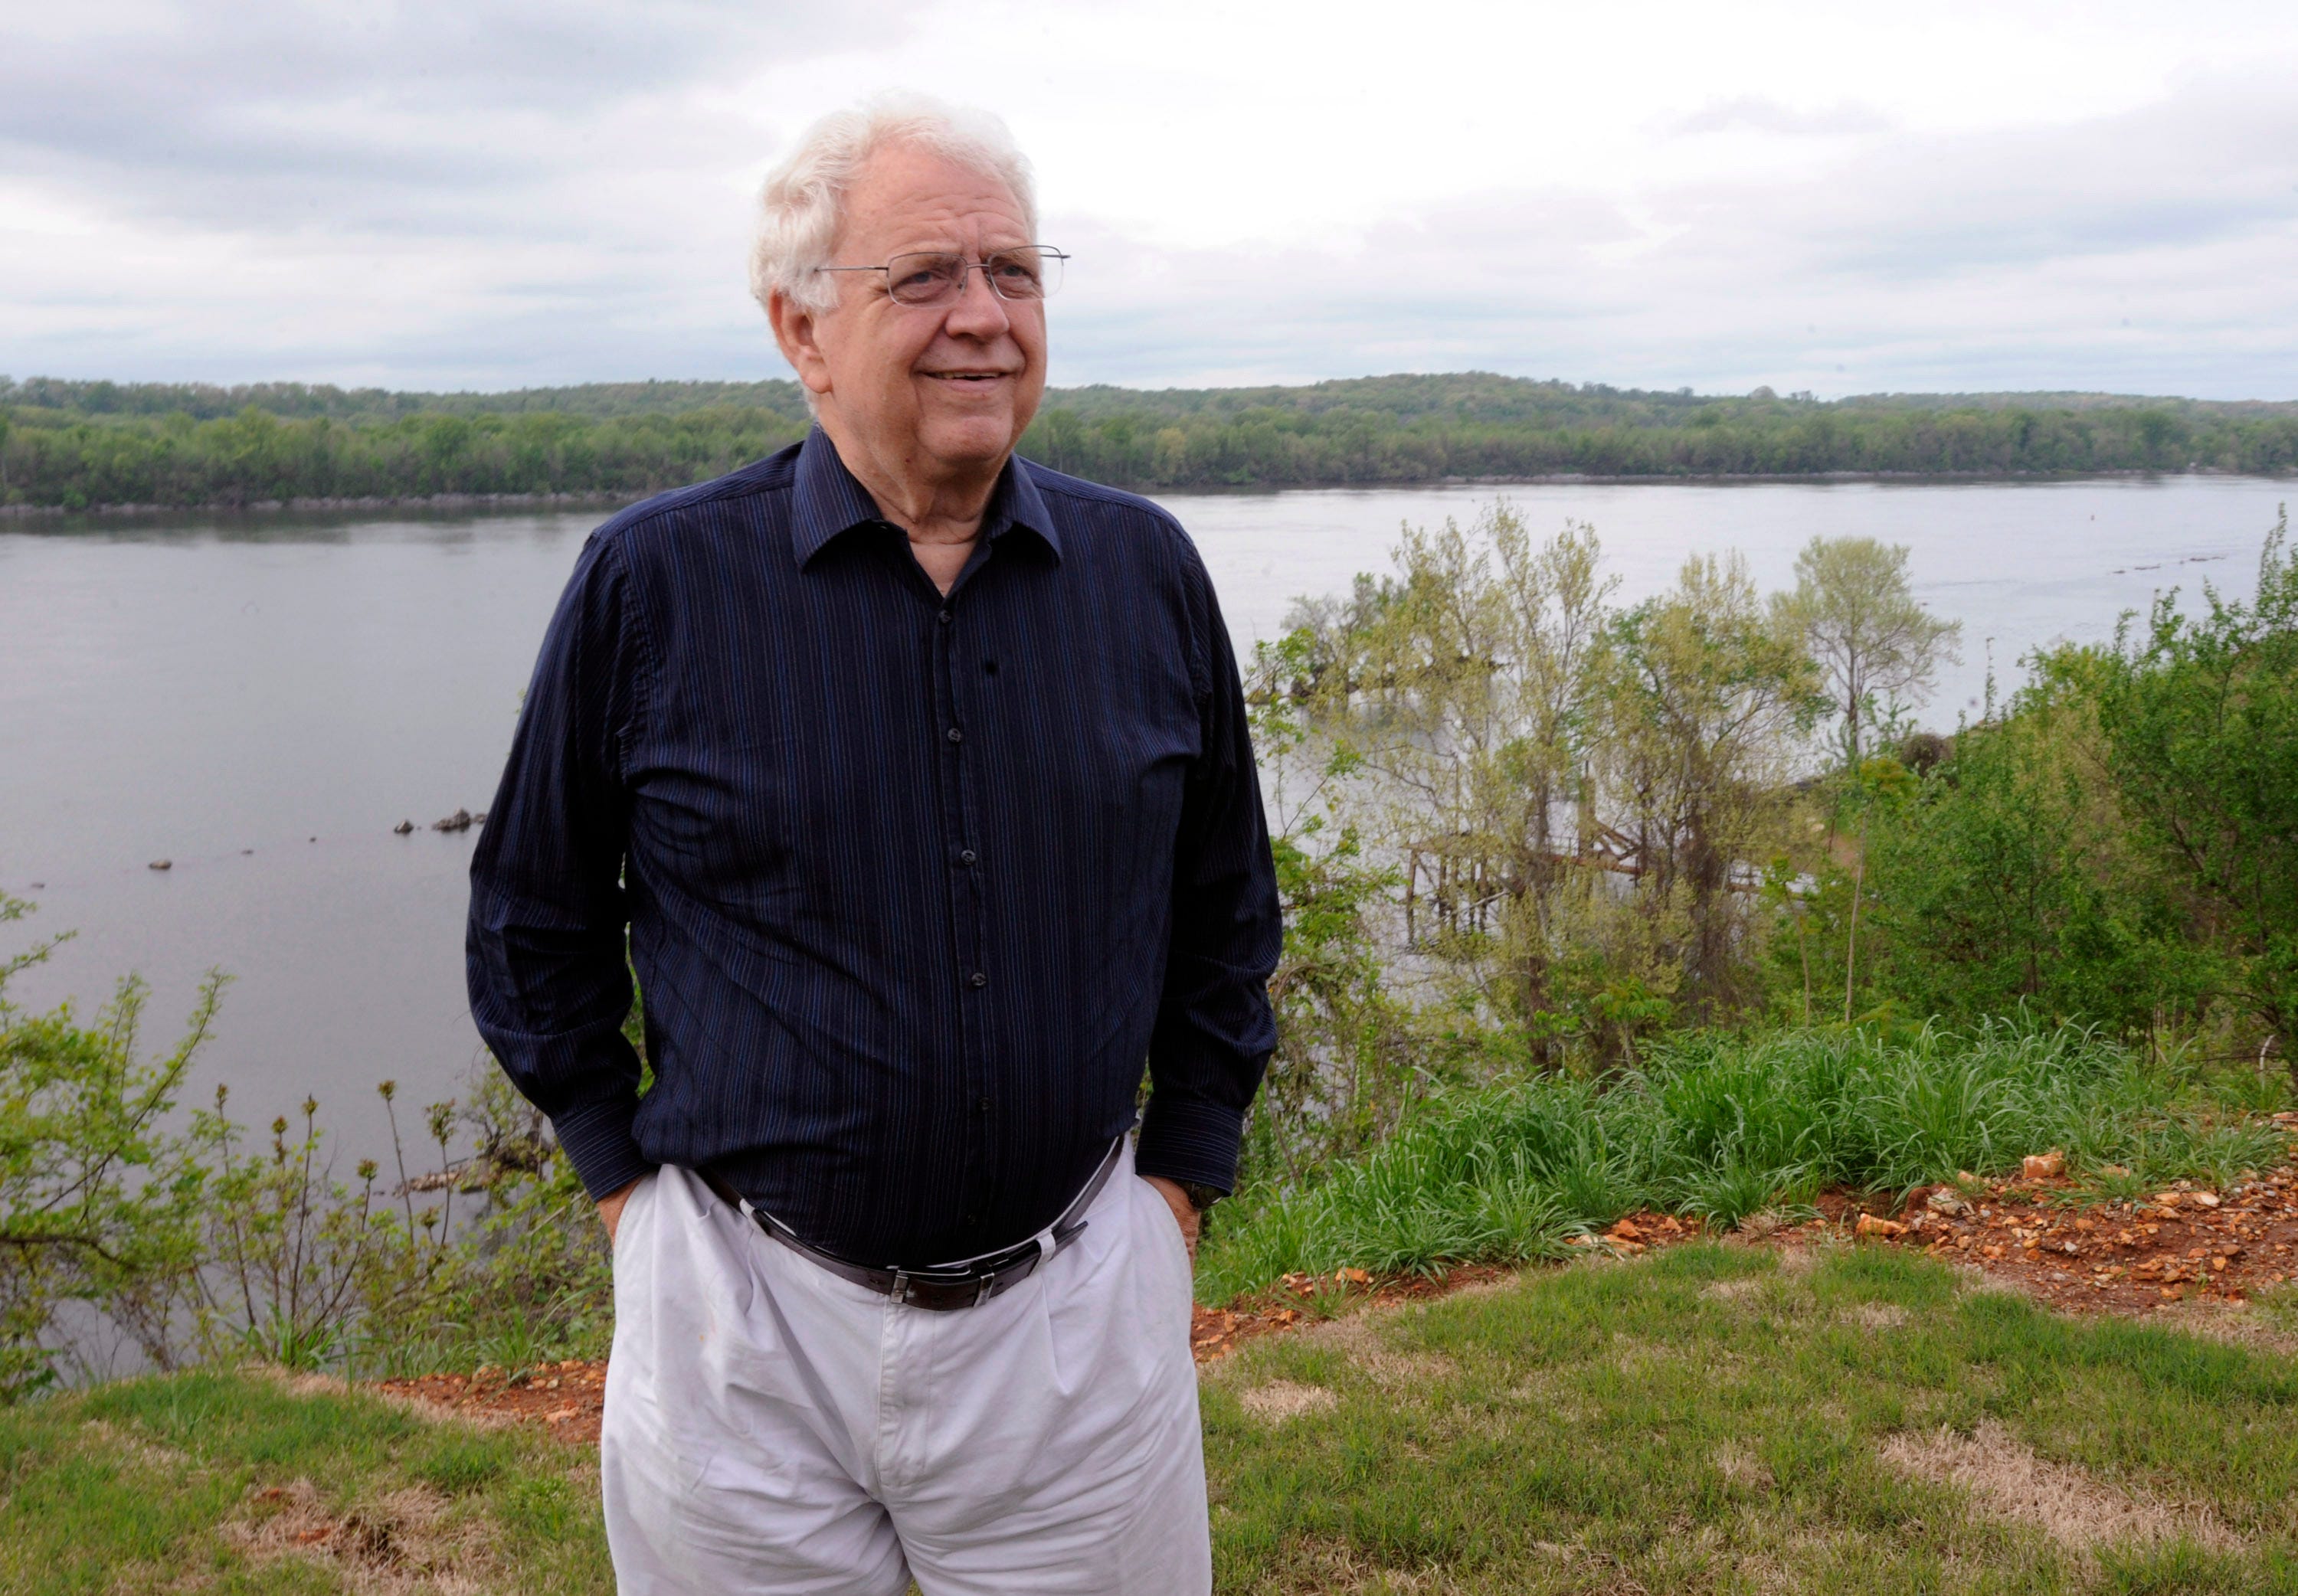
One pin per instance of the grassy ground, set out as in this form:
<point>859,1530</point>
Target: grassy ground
<point>230,1483</point>
<point>1710,1417</point>
<point>1706,1419</point>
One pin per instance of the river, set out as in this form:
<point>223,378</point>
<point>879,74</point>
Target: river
<point>261,699</point>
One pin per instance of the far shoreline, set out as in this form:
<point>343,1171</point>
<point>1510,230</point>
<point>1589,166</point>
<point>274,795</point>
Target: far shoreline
<point>594,499</point>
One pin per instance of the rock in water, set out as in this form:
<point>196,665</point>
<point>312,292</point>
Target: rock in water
<point>459,821</point>
<point>161,864</point>
<point>403,828</point>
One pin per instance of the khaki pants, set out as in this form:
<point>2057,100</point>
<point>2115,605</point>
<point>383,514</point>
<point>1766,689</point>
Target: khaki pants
<point>770,1427</point>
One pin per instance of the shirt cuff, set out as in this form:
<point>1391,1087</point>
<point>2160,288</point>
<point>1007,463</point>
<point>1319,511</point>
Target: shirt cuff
<point>1189,1140</point>
<point>598,1140</point>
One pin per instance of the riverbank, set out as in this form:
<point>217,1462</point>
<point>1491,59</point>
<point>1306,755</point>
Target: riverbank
<point>509,502</point>
<point>415,502</point>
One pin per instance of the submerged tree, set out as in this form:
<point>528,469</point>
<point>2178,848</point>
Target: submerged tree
<point>1462,685</point>
<point>1705,700</point>
<point>1573,799</point>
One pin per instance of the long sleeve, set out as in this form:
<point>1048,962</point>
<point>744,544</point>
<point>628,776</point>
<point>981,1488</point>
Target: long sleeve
<point>1214,1030</point>
<point>549,985</point>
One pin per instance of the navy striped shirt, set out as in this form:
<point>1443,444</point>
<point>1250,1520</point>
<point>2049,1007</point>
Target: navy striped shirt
<point>915,885</point>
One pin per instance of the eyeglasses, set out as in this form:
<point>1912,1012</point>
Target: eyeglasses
<point>937,277</point>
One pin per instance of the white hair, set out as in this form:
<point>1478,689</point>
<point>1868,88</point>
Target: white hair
<point>803,205</point>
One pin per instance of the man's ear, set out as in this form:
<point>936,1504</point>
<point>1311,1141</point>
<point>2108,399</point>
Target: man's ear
<point>795,329</point>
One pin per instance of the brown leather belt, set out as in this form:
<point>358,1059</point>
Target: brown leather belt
<point>956,1286</point>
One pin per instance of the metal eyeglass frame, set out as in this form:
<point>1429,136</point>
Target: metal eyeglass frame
<point>966,268</point>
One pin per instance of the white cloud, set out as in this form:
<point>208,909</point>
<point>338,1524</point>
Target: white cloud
<point>2050,195</point>
<point>1751,114</point>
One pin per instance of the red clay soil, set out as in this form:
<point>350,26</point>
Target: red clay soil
<point>565,1398</point>
<point>2182,1242</point>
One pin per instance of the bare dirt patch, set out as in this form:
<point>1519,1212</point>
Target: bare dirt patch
<point>2009,1480</point>
<point>568,1398</point>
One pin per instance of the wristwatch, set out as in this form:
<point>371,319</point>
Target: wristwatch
<point>1200,1196</point>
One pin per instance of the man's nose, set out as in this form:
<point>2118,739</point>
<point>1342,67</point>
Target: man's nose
<point>979,312</point>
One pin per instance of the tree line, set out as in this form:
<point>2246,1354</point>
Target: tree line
<point>256,458</point>
<point>81,444</point>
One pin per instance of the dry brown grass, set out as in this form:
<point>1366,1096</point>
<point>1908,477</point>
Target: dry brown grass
<point>1280,1399</point>
<point>1359,1339</point>
<point>1877,1316</point>
<point>1742,1466</point>
<point>400,1544</point>
<point>2010,1481</point>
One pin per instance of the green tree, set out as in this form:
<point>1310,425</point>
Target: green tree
<point>1877,649</point>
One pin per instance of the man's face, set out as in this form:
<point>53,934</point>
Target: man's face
<point>929,389</point>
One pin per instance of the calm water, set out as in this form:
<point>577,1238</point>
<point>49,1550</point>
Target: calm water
<point>260,699</point>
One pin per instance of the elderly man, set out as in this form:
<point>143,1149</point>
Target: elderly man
<point>919,777</point>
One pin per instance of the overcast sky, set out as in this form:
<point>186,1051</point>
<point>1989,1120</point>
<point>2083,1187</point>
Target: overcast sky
<point>2018,194</point>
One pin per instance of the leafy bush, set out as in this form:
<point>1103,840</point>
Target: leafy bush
<point>194,1240</point>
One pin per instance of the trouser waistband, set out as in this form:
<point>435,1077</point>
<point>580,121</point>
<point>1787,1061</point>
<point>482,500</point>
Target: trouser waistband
<point>952,1286</point>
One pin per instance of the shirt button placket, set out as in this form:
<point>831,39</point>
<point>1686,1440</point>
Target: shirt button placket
<point>966,906</point>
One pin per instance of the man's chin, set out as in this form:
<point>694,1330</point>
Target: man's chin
<point>977,440</point>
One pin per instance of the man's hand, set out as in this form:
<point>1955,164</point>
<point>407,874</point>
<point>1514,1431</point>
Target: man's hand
<point>1185,1212</point>
<point>610,1209</point>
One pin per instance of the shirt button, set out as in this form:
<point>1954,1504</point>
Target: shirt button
<point>944,618</point>
<point>983,1106</point>
<point>966,856</point>
<point>979,979</point>
<point>956,735</point>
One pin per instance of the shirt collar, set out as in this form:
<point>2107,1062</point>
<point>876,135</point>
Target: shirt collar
<point>827,502</point>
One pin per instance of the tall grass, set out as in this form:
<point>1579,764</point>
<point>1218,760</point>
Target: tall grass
<point>1721,1126</point>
